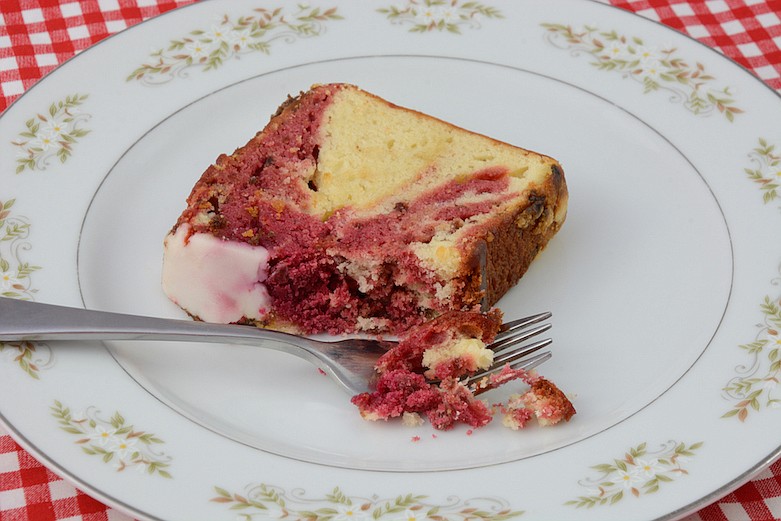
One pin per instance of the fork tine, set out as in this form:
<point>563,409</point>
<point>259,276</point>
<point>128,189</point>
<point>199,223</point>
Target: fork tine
<point>514,325</point>
<point>508,355</point>
<point>534,361</point>
<point>526,364</point>
<point>515,337</point>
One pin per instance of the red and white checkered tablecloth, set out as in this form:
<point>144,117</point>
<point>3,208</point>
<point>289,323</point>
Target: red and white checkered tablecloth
<point>37,35</point>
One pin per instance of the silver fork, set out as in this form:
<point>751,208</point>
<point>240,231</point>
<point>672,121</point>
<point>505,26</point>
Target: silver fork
<point>349,362</point>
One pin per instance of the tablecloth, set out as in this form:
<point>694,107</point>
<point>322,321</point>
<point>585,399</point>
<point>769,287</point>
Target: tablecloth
<point>37,35</point>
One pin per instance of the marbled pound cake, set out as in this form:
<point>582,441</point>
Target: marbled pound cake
<point>348,213</point>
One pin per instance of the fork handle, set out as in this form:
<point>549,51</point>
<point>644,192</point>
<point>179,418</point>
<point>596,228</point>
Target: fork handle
<point>32,321</point>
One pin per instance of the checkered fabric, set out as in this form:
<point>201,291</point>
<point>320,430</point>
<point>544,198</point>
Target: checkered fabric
<point>30,492</point>
<point>748,31</point>
<point>38,35</point>
<point>758,500</point>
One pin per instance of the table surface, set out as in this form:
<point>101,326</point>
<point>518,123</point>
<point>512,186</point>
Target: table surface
<point>38,35</point>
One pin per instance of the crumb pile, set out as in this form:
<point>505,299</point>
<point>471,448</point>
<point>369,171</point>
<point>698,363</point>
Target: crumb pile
<point>444,351</point>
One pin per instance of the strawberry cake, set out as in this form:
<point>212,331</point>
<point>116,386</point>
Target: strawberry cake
<point>347,213</point>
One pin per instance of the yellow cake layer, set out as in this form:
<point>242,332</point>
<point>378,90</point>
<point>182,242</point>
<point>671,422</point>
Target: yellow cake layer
<point>396,153</point>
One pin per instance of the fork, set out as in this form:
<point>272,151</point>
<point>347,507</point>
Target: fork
<point>349,362</point>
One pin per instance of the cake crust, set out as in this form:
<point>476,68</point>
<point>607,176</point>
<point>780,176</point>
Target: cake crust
<point>516,241</point>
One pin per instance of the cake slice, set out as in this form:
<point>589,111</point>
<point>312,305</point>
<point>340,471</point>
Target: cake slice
<point>347,213</point>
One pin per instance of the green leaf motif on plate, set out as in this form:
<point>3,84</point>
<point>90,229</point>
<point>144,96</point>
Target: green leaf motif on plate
<point>439,15</point>
<point>756,386</point>
<point>638,473</point>
<point>51,133</point>
<point>266,501</point>
<point>766,171</point>
<point>113,440</point>
<point>209,49</point>
<point>15,273</point>
<point>16,282</point>
<point>655,68</point>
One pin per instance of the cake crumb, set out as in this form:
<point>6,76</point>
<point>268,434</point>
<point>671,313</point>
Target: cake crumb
<point>543,402</point>
<point>403,388</point>
<point>549,404</point>
<point>516,414</point>
<point>415,439</point>
<point>411,419</point>
<point>320,370</point>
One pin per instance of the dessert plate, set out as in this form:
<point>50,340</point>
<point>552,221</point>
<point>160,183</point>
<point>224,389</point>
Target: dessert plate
<point>664,282</point>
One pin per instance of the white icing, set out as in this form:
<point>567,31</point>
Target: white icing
<point>215,280</point>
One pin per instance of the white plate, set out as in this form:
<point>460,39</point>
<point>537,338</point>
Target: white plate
<point>664,281</point>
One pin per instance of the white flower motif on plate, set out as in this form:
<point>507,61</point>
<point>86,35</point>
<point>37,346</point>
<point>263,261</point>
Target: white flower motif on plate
<point>439,15</point>
<point>52,133</point>
<point>655,68</point>
<point>264,501</point>
<point>114,440</point>
<point>230,38</point>
<point>637,473</point>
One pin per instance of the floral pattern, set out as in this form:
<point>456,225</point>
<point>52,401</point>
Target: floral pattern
<point>16,282</point>
<point>654,67</point>
<point>638,473</point>
<point>439,15</point>
<point>266,501</point>
<point>767,170</point>
<point>14,273</point>
<point>113,440</point>
<point>30,357</point>
<point>228,39</point>
<point>51,134</point>
<point>756,385</point>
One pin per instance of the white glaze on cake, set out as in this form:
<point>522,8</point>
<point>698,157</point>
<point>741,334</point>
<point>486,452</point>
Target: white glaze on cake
<point>215,280</point>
